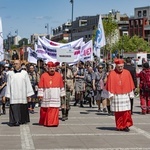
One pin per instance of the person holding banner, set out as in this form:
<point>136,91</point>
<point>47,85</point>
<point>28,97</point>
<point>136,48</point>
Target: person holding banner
<point>69,85</point>
<point>50,91</point>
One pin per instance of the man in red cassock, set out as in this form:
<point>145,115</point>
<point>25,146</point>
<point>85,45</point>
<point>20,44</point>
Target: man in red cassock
<point>120,87</point>
<point>50,91</point>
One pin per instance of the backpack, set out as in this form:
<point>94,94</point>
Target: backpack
<point>146,82</point>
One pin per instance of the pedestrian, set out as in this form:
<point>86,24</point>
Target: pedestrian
<point>99,84</point>
<point>79,74</point>
<point>3,82</point>
<point>50,91</point>
<point>18,90</point>
<point>120,87</point>
<point>68,77</point>
<point>34,78</point>
<point>89,85</point>
<point>144,86</point>
<point>128,65</point>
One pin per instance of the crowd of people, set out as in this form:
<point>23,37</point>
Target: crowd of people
<point>110,86</point>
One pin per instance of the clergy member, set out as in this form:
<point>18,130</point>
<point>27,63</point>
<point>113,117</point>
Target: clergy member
<point>50,91</point>
<point>18,90</point>
<point>120,87</point>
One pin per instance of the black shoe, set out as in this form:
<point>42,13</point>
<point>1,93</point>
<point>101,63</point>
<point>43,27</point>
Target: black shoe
<point>126,129</point>
<point>4,112</point>
<point>17,124</point>
<point>14,124</point>
<point>32,111</point>
<point>11,124</point>
<point>104,110</point>
<point>63,119</point>
<point>75,104</point>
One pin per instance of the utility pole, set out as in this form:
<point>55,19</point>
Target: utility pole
<point>72,2</point>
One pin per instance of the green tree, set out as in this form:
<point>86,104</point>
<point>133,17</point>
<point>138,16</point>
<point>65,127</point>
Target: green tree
<point>131,44</point>
<point>63,41</point>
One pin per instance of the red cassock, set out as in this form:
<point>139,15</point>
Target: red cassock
<point>120,85</point>
<point>51,88</point>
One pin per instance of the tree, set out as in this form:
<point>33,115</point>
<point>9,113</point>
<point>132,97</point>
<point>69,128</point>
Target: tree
<point>110,29</point>
<point>131,44</point>
<point>63,41</point>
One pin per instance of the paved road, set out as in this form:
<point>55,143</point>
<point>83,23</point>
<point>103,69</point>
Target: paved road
<point>85,129</point>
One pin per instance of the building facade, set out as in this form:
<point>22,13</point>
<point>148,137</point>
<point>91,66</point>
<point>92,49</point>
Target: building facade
<point>139,24</point>
<point>85,26</point>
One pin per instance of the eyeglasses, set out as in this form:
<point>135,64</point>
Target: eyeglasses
<point>100,68</point>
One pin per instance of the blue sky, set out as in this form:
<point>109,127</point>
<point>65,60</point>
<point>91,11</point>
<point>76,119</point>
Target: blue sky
<point>31,16</point>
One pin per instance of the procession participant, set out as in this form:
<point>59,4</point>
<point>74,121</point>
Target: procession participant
<point>3,82</point>
<point>79,83</point>
<point>144,85</point>
<point>69,85</point>
<point>50,91</point>
<point>34,78</point>
<point>18,90</point>
<point>89,85</point>
<point>120,87</point>
<point>128,65</point>
<point>99,83</point>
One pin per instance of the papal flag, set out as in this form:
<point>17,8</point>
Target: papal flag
<point>100,40</point>
<point>1,42</point>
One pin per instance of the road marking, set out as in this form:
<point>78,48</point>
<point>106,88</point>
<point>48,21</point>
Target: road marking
<point>87,134</point>
<point>141,132</point>
<point>26,138</point>
<point>136,148</point>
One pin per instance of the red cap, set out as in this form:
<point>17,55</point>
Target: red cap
<point>51,64</point>
<point>119,61</point>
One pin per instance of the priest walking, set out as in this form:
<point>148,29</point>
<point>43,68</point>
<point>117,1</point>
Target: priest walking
<point>51,90</point>
<point>120,87</point>
<point>18,90</point>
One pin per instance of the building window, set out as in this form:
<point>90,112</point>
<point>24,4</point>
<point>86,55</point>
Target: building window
<point>144,13</point>
<point>132,22</point>
<point>139,14</point>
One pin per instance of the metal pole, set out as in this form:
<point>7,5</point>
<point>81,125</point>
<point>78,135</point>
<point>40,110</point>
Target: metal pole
<point>71,1</point>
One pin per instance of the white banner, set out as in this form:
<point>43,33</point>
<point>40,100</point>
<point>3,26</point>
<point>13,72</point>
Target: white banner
<point>1,42</point>
<point>48,51</point>
<point>32,56</point>
<point>87,51</point>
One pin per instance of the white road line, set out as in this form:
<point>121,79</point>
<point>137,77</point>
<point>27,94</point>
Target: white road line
<point>26,138</point>
<point>136,148</point>
<point>86,134</point>
<point>141,132</point>
<point>10,135</point>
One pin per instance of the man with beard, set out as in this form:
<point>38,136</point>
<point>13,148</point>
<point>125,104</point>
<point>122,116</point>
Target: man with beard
<point>51,90</point>
<point>18,90</point>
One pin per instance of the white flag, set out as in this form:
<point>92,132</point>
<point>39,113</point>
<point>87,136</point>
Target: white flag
<point>100,40</point>
<point>1,42</point>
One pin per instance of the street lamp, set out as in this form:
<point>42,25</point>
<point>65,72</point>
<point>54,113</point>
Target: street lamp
<point>47,27</point>
<point>71,1</point>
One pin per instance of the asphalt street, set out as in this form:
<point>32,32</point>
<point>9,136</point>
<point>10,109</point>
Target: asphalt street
<point>85,129</point>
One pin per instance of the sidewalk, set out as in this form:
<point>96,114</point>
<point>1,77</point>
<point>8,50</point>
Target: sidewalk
<point>85,129</point>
